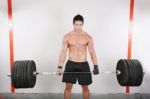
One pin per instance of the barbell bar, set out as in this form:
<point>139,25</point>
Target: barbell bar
<point>128,73</point>
<point>54,73</point>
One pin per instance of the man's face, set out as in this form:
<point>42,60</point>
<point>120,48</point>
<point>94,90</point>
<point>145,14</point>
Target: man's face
<point>78,26</point>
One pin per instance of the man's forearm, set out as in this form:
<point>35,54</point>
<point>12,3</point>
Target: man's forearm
<point>94,58</point>
<point>62,58</point>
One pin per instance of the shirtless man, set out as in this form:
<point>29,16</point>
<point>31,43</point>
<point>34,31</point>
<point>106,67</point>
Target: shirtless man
<point>77,42</point>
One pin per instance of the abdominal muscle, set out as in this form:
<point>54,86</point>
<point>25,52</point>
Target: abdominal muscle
<point>78,53</point>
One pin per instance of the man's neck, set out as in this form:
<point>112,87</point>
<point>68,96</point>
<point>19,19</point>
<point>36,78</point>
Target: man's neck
<point>78,31</point>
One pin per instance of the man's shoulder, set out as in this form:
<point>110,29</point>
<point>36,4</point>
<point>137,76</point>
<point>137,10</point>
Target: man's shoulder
<point>69,33</point>
<point>87,35</point>
<point>67,36</point>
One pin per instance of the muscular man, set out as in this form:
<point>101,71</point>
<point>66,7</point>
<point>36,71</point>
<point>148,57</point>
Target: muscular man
<point>77,41</point>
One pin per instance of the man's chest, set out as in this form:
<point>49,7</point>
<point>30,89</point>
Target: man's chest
<point>78,40</point>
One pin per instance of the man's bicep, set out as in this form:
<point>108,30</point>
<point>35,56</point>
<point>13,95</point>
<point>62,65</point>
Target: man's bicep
<point>64,45</point>
<point>90,46</point>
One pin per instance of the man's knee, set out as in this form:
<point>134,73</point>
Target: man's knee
<point>85,87</point>
<point>69,86</point>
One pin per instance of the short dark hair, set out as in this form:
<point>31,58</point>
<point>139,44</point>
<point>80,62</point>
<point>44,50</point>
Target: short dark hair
<point>78,17</point>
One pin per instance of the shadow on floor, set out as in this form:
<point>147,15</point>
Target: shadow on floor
<point>74,96</point>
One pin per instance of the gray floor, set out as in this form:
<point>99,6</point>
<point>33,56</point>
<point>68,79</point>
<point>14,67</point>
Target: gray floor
<point>74,96</point>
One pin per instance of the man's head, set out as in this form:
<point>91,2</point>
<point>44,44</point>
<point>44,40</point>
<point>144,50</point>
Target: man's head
<point>78,22</point>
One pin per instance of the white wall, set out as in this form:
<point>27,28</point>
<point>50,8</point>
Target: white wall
<point>39,26</point>
<point>141,40</point>
<point>4,48</point>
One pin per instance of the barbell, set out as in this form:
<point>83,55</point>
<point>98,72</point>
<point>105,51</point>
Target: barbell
<point>128,73</point>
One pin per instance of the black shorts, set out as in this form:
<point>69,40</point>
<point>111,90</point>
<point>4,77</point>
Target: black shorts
<point>81,73</point>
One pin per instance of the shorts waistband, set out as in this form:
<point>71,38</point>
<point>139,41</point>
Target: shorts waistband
<point>77,62</point>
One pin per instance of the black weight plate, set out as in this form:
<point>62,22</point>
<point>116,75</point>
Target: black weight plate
<point>22,70</point>
<point>123,68</point>
<point>31,78</point>
<point>13,78</point>
<point>134,67</point>
<point>20,74</point>
<point>129,74</point>
<point>140,75</point>
<point>25,74</point>
<point>17,75</point>
<point>135,70</point>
